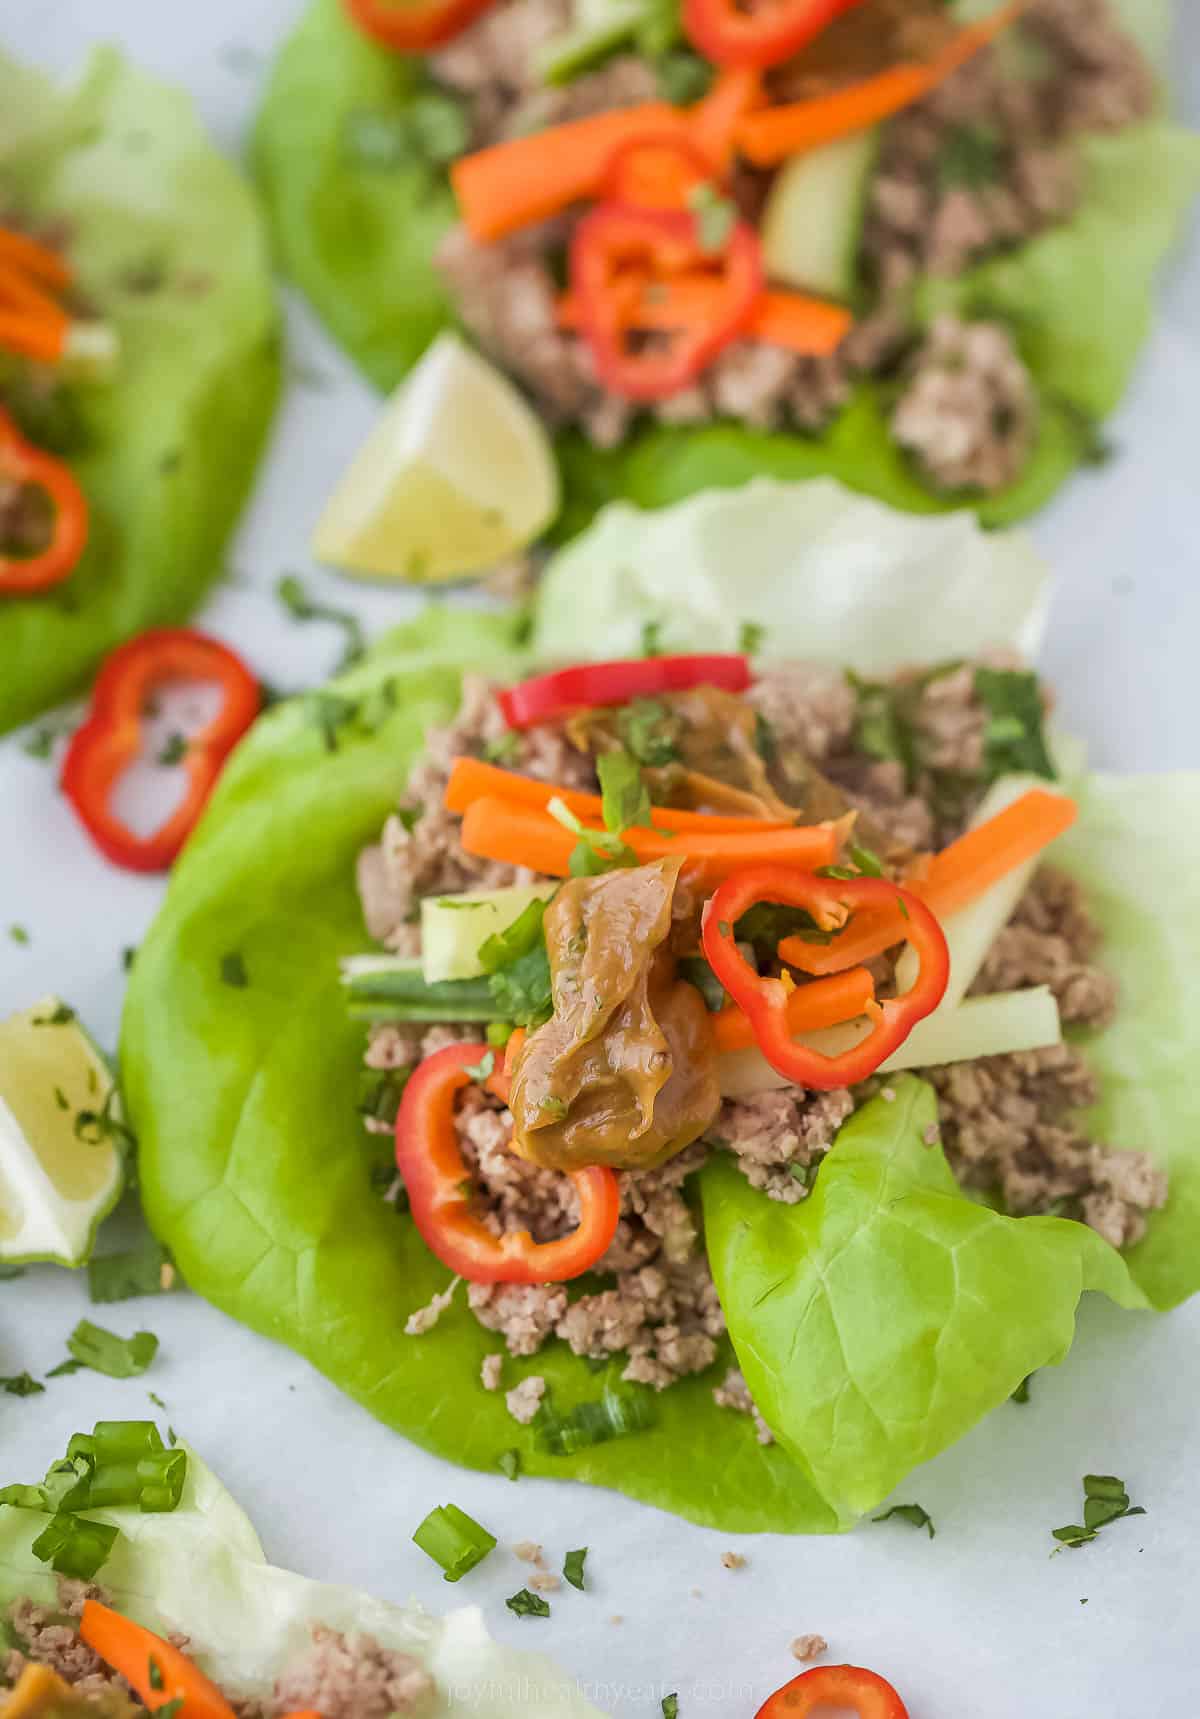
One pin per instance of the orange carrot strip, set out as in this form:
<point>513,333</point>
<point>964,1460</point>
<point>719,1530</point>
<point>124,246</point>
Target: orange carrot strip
<point>955,877</point>
<point>470,780</point>
<point>35,259</point>
<point>158,1672</point>
<point>768,137</point>
<point>32,337</point>
<point>824,1003</point>
<point>521,835</point>
<point>527,179</point>
<point>714,120</point>
<point>499,1082</point>
<point>20,293</point>
<point>811,327</point>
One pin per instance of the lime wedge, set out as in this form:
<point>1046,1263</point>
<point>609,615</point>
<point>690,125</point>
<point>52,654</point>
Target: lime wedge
<point>58,1176</point>
<point>457,474</point>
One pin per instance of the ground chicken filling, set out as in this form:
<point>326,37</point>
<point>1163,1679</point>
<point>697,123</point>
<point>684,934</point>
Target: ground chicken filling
<point>338,1676</point>
<point>984,163</point>
<point>1008,1123</point>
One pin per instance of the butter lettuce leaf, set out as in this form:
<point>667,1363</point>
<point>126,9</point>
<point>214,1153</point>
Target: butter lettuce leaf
<point>357,222</point>
<point>168,249</point>
<point>201,1572</point>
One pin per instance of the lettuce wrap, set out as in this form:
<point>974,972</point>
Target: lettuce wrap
<point>877,1320</point>
<point>201,1571</point>
<point>358,208</point>
<point>167,250</point>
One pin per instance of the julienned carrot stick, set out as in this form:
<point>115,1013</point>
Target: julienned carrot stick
<point>32,336</point>
<point>158,1672</point>
<point>35,259</point>
<point>811,327</point>
<point>824,1003</point>
<point>528,179</point>
<point>769,136</point>
<point>956,876</point>
<point>713,122</point>
<point>521,835</point>
<point>19,292</point>
<point>471,779</point>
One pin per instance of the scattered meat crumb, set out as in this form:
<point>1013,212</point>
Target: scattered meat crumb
<point>616,1618</point>
<point>888,1094</point>
<point>425,1318</point>
<point>545,1582</point>
<point>733,1560</point>
<point>528,1551</point>
<point>932,1134</point>
<point>697,1593</point>
<point>490,1370</point>
<point>525,1399</point>
<point>806,1647</point>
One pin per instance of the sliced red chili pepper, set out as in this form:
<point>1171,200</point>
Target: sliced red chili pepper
<point>550,697</point>
<point>615,246</point>
<point>828,1686</point>
<point>110,738</point>
<point>830,901</point>
<point>658,171</point>
<point>24,466</point>
<point>414,26</point>
<point>763,33</point>
<point>438,1186</point>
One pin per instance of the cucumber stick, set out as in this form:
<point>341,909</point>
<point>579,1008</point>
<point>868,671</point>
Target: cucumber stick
<point>813,220</point>
<point>454,926</point>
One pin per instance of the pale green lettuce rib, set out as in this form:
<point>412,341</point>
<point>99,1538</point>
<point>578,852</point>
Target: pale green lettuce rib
<point>168,250</point>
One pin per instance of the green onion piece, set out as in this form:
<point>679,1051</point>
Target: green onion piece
<point>509,1464</point>
<point>527,1605</point>
<point>670,1707</point>
<point>617,1415</point>
<point>454,1540</point>
<point>573,1567</point>
<point>73,1546</point>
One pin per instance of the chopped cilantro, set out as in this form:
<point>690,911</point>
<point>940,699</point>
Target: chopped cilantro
<point>1105,1500</point>
<point>484,1068</point>
<point>104,1352</point>
<point>911,1513</point>
<point>330,713</point>
<point>750,637</point>
<point>1014,742</point>
<point>174,751</point>
<point>519,968</point>
<point>596,851</point>
<point>624,798</point>
<point>573,1567</point>
<point>527,1605</point>
<point>1021,1394</point>
<point>94,1126</point>
<point>9,1272</point>
<point>292,594</point>
<point>652,638</point>
<point>553,1105</point>
<point>144,1270</point>
<point>506,750</point>
<point>61,1015</point>
<point>509,1464</point>
<point>21,1385</point>
<point>650,730</point>
<point>971,158</point>
<point>670,1707</point>
<point>127,955</point>
<point>233,970</point>
<point>379,1095</point>
<point>432,130</point>
<point>683,77</point>
<point>716,216</point>
<point>18,934</point>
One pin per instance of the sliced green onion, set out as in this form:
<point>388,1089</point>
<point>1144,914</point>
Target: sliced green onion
<point>454,1540</point>
<point>617,1415</point>
<point>73,1546</point>
<point>388,988</point>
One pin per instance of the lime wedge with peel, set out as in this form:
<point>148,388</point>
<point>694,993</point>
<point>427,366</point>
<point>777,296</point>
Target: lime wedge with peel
<point>61,1169</point>
<point>457,474</point>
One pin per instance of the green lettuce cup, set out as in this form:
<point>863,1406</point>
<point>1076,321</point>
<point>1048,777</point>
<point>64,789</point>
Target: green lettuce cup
<point>351,150</point>
<point>877,1320</point>
<point>167,250</point>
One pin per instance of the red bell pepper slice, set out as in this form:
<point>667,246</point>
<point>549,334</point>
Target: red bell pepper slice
<point>830,901</point>
<point>551,697</point>
<point>24,465</point>
<point>763,33</point>
<point>438,1186</point>
<point>414,26</point>
<point>617,254</point>
<point>658,171</point>
<point>110,738</point>
<point>845,1687</point>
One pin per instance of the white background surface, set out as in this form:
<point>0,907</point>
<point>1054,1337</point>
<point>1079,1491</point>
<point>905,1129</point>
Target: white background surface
<point>981,1622</point>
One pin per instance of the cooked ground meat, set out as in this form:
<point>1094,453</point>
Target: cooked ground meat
<point>778,1138</point>
<point>46,1639</point>
<point>806,1647</point>
<point>983,163</point>
<point>734,1393</point>
<point>1050,940</point>
<point>969,412</point>
<point>525,1399</point>
<point>353,1677</point>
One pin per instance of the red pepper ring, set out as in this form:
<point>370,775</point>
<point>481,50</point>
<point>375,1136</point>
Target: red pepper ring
<point>110,738</point>
<point>437,1182</point>
<point>616,248</point>
<point>844,1686</point>
<point>414,26</point>
<point>27,466</point>
<point>550,697</point>
<point>830,901</point>
<point>656,171</point>
<point>764,34</point>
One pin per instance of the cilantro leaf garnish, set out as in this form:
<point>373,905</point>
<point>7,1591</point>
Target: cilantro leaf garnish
<point>914,1514</point>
